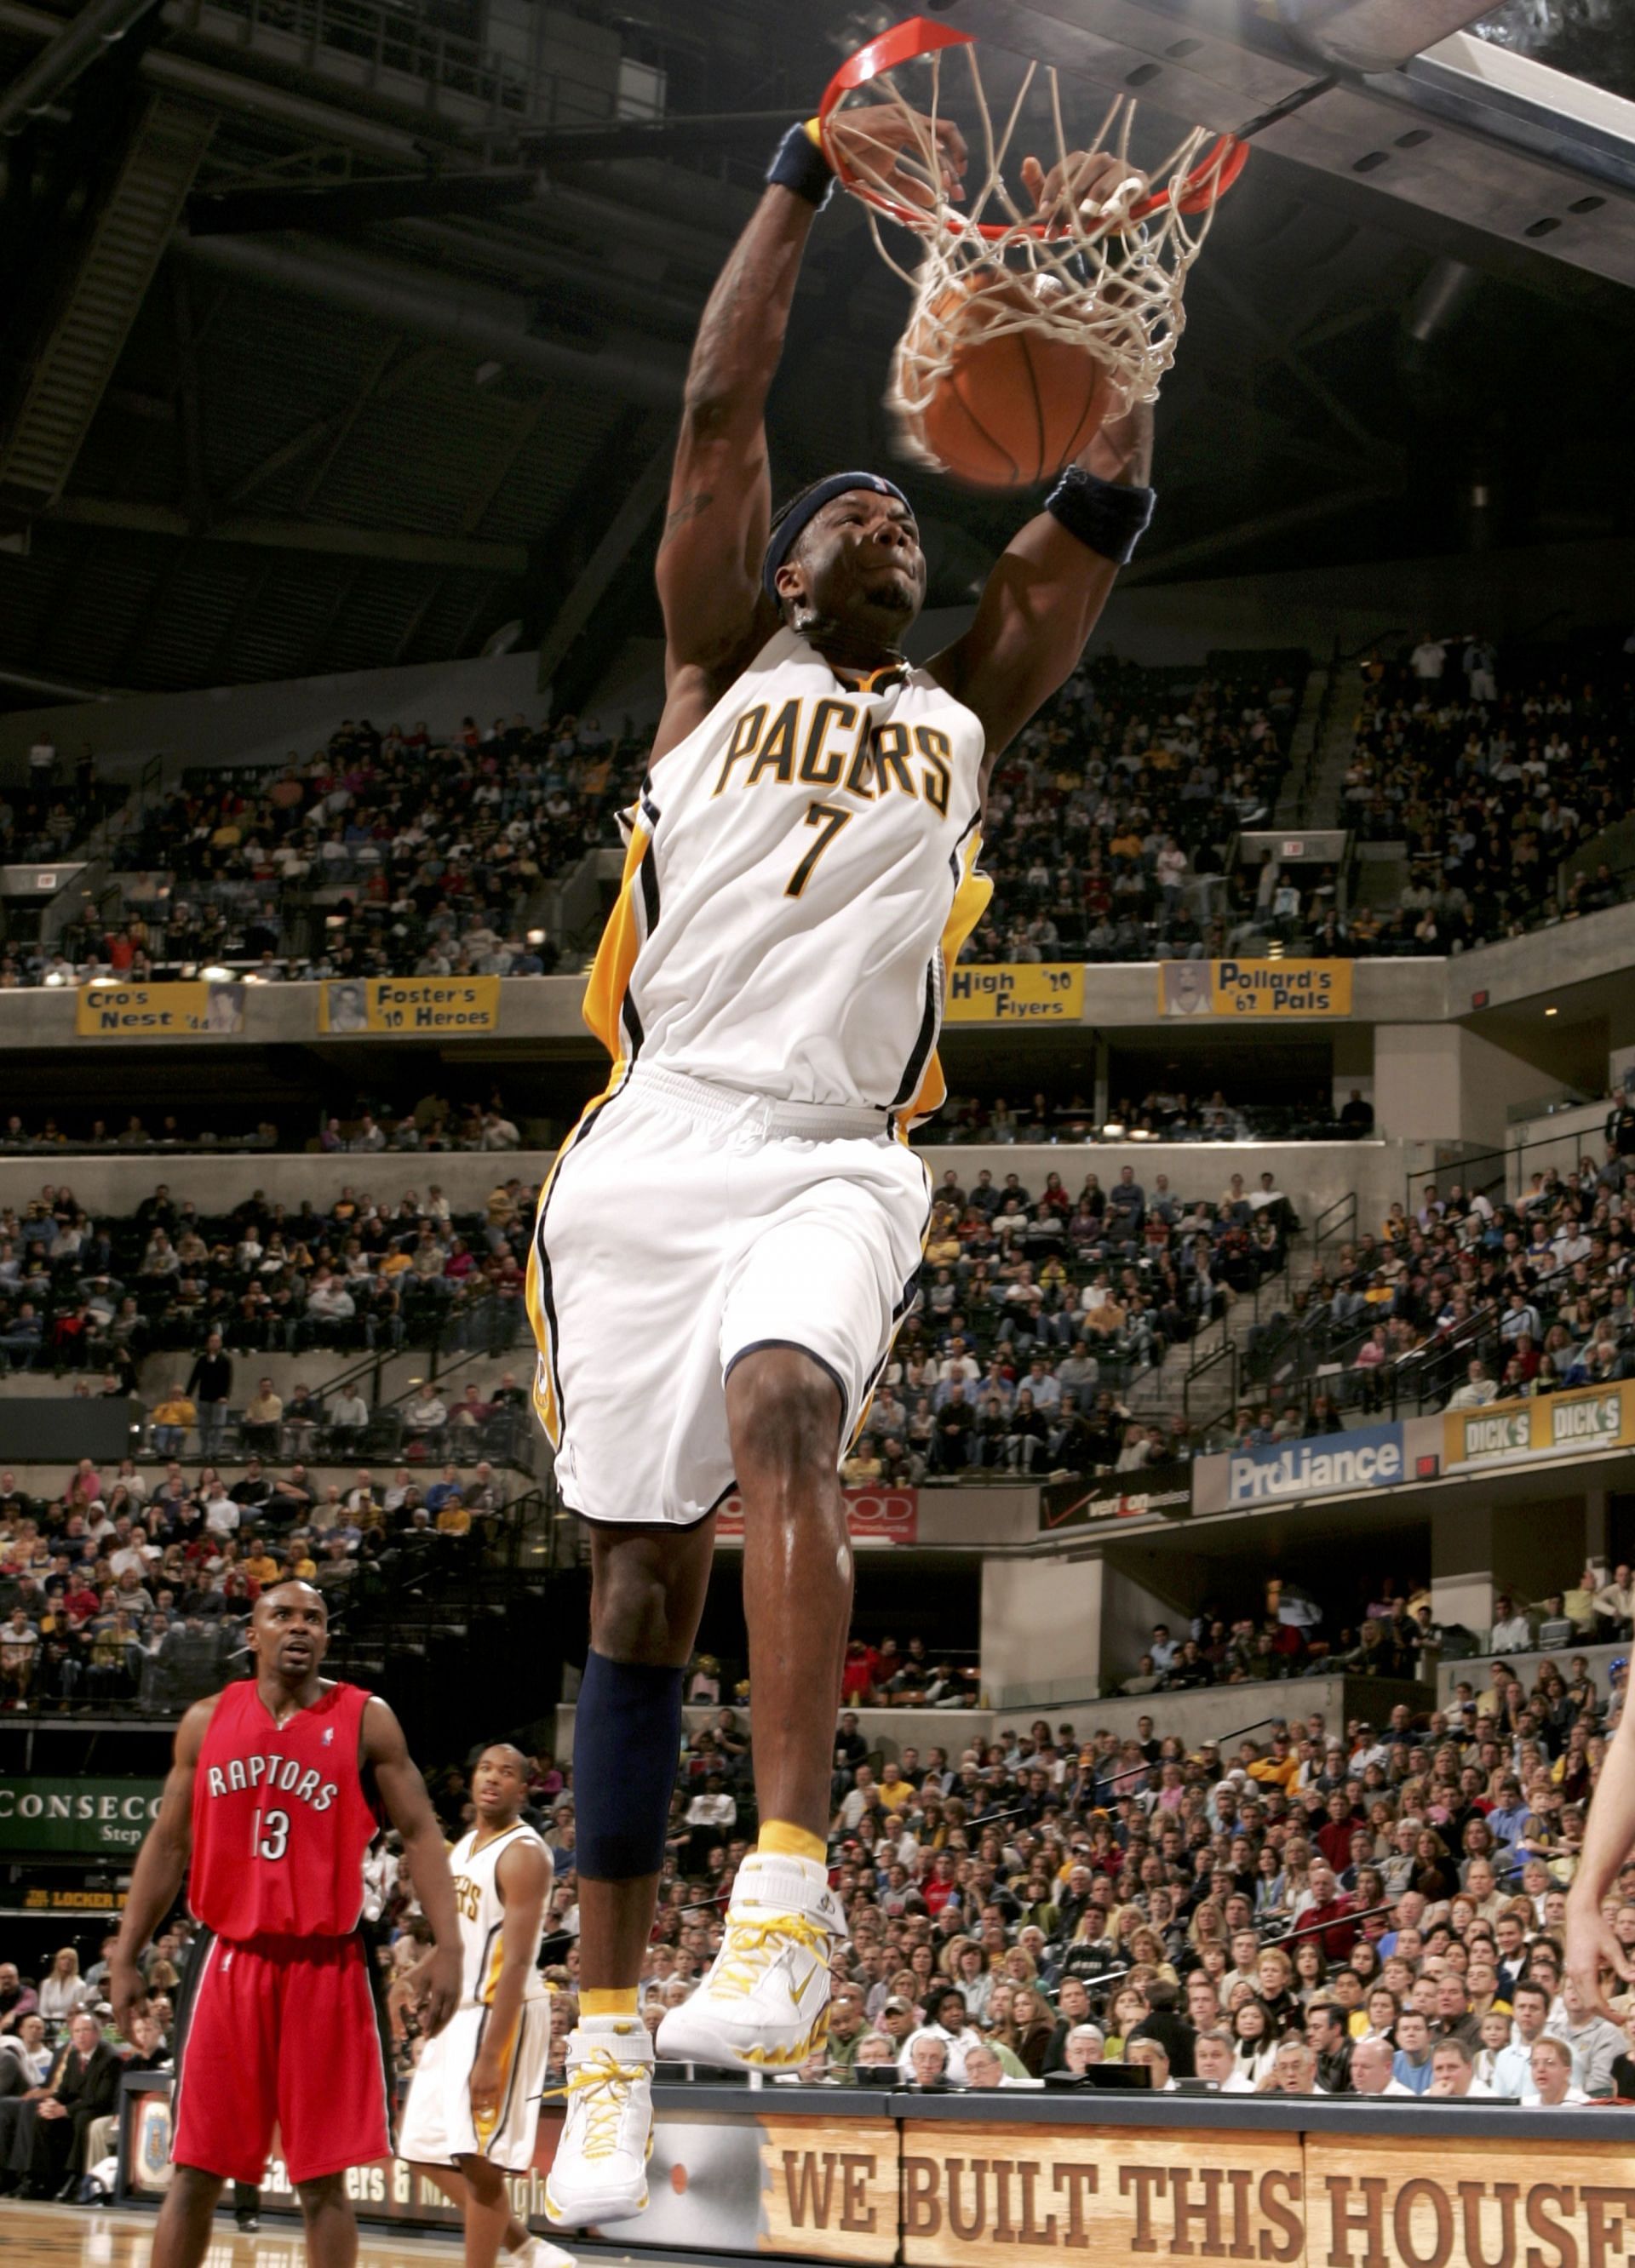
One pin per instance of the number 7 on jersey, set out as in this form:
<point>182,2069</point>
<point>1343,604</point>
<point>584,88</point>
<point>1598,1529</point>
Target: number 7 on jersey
<point>829,818</point>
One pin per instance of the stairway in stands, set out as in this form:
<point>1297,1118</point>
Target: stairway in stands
<point>1158,1394</point>
<point>101,300</point>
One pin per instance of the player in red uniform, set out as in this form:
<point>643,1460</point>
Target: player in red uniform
<point>266,1795</point>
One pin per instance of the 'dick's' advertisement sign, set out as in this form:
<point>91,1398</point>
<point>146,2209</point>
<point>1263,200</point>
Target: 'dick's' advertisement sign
<point>1544,1427</point>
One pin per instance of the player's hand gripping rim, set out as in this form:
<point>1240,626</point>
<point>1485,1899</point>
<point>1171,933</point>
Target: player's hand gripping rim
<point>885,144</point>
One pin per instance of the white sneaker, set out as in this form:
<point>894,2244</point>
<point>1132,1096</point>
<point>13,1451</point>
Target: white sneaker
<point>764,2004</point>
<point>539,2252</point>
<point>600,2171</point>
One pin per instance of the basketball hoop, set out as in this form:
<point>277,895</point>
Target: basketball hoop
<point>1108,280</point>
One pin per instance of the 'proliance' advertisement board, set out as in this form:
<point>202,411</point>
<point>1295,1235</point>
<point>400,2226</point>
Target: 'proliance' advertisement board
<point>1352,1463</point>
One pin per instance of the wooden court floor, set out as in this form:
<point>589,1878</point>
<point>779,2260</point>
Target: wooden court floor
<point>73,2236</point>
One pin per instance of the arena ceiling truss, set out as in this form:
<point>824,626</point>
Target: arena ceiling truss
<point>335,341</point>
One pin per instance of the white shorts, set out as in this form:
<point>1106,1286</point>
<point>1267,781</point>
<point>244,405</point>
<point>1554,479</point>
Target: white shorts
<point>436,2123</point>
<point>686,1224</point>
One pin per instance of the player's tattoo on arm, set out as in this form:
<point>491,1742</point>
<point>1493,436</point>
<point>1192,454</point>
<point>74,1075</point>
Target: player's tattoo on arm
<point>693,505</point>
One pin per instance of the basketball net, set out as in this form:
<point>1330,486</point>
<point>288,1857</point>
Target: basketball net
<point>1109,279</point>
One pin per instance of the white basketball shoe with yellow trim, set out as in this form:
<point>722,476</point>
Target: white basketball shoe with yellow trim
<point>764,2004</point>
<point>600,2171</point>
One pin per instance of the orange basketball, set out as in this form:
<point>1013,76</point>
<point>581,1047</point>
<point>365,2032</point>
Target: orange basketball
<point>1015,405</point>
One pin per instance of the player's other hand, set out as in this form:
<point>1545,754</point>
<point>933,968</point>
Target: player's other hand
<point>1591,1949</point>
<point>128,1992</point>
<point>897,150</point>
<point>441,1970</point>
<point>1081,187</point>
<point>484,2086</point>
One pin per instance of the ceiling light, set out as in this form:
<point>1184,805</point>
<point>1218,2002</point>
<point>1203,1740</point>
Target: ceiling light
<point>1552,1012</point>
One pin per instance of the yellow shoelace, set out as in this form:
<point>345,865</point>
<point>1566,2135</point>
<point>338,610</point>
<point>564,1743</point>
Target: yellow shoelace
<point>604,2083</point>
<point>752,1947</point>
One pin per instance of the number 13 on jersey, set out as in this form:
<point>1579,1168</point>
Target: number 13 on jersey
<point>276,1841</point>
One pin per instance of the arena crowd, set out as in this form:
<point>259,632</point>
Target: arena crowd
<point>83,1294</point>
<point>131,1589</point>
<point>1375,1910</point>
<point>1457,1299</point>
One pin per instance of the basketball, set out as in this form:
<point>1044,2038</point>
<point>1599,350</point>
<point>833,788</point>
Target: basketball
<point>1014,403</point>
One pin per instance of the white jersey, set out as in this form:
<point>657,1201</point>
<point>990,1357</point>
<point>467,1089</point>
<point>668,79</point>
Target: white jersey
<point>482,1912</point>
<point>800,873</point>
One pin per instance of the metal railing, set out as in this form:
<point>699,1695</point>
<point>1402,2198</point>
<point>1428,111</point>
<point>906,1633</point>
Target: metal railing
<point>1204,1379</point>
<point>1499,1174</point>
<point>1336,1221</point>
<point>399,40</point>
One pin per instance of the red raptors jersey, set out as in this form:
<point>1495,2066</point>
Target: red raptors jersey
<point>280,1822</point>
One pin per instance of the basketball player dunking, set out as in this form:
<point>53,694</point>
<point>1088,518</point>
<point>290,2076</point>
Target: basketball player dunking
<point>474,2104</point>
<point>725,1247</point>
<point>267,1797</point>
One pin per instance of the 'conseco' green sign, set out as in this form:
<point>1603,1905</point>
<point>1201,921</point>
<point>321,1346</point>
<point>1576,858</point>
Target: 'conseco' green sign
<point>78,1815</point>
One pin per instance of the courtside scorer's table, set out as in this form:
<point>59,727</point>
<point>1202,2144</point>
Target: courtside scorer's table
<point>858,2176</point>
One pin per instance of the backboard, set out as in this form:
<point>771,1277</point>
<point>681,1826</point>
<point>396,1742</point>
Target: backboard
<point>1474,126</point>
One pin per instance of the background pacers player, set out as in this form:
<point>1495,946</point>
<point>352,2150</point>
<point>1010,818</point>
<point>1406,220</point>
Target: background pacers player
<point>473,2105</point>
<point>266,1795</point>
<point>800,872</point>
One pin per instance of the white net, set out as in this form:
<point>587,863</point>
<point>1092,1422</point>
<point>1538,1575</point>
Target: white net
<point>1107,277</point>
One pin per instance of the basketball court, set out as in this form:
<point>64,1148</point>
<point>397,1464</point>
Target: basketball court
<point>64,2236</point>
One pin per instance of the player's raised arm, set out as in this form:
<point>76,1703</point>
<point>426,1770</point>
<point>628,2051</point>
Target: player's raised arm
<point>161,1864</point>
<point>715,531</point>
<point>1049,584</point>
<point>1048,587</point>
<point>408,1807</point>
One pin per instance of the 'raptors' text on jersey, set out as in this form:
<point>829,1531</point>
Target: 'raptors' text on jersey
<point>280,1820</point>
<point>800,872</point>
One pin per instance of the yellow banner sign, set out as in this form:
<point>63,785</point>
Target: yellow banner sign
<point>158,1012</point>
<point>1307,989</point>
<point>1017,992</point>
<point>405,1004</point>
<point>1548,1426</point>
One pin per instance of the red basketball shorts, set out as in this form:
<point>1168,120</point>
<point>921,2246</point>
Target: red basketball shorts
<point>281,2032</point>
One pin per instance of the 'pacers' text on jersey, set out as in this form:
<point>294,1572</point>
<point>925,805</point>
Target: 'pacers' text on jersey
<point>474,1864</point>
<point>800,873</point>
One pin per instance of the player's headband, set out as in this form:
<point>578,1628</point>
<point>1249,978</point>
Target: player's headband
<point>800,515</point>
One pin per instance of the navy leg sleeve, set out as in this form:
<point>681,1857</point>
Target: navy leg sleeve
<point>626,1747</point>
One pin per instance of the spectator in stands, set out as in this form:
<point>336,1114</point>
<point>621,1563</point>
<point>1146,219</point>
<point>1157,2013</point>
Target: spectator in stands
<point>1553,2084</point>
<point>1512,1632</point>
<point>210,1386</point>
